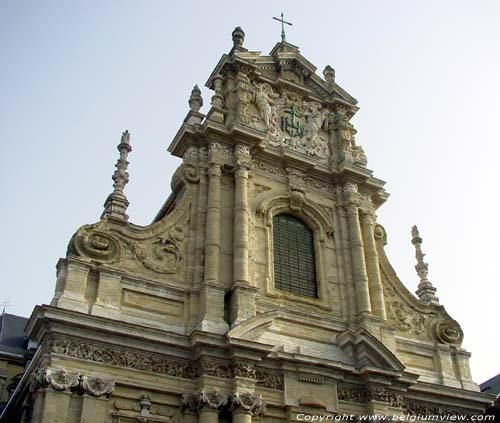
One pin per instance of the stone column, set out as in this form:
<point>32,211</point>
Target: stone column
<point>208,415</point>
<point>241,214</point>
<point>242,305</point>
<point>212,293</point>
<point>372,264</point>
<point>56,406</point>
<point>358,257</point>
<point>212,242</point>
<point>242,416</point>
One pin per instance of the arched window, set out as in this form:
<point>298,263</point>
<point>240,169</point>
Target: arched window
<point>294,263</point>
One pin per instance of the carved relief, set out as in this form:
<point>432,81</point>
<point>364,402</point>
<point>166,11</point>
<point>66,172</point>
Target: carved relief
<point>214,368</point>
<point>58,379</point>
<point>363,395</point>
<point>149,363</point>
<point>269,379</point>
<point>61,380</point>
<point>246,370</point>
<point>290,122</point>
<point>95,245</point>
<point>96,386</point>
<point>211,399</point>
<point>164,254</point>
<point>248,402</point>
<point>448,332</point>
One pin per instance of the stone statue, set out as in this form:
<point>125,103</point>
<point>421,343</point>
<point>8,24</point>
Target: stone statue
<point>315,120</point>
<point>265,100</point>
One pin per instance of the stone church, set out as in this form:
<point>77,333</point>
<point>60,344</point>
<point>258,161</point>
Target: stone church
<point>261,291</point>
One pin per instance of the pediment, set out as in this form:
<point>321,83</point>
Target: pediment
<point>368,352</point>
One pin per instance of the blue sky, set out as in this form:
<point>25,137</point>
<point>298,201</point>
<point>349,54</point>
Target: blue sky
<point>75,75</point>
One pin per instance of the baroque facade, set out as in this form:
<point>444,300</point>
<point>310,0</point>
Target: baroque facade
<point>261,291</point>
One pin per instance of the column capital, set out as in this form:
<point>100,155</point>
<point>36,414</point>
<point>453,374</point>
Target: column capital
<point>246,402</point>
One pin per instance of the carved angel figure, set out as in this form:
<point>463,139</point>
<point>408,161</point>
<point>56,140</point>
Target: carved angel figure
<point>315,120</point>
<point>264,99</point>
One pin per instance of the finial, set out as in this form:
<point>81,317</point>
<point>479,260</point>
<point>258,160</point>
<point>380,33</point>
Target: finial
<point>238,37</point>
<point>329,74</point>
<point>283,22</point>
<point>116,204</point>
<point>195,100</point>
<point>425,289</point>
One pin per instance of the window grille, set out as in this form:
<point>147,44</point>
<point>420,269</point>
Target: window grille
<point>294,262</point>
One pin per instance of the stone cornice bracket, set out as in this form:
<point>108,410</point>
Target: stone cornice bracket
<point>425,291</point>
<point>116,204</point>
<point>247,402</point>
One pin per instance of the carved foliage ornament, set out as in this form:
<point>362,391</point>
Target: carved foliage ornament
<point>95,245</point>
<point>149,363</point>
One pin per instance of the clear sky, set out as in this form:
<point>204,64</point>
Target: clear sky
<point>74,75</point>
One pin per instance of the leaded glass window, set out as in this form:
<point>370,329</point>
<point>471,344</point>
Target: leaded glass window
<point>294,263</point>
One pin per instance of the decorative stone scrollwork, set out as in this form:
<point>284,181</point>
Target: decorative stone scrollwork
<point>449,332</point>
<point>97,386</point>
<point>352,394</point>
<point>248,402</point>
<point>380,234</point>
<point>95,245</point>
<point>165,256</point>
<point>190,173</point>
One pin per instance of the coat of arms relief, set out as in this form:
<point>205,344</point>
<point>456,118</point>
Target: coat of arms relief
<point>290,121</point>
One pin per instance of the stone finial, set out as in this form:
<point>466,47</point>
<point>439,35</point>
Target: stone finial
<point>116,204</point>
<point>425,291</point>
<point>329,74</point>
<point>195,100</point>
<point>238,37</point>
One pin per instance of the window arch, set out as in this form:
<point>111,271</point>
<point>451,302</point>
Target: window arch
<point>294,261</point>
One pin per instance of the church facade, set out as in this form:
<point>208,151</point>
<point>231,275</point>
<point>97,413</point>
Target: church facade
<point>261,291</point>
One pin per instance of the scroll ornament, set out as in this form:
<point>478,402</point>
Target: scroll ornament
<point>449,332</point>
<point>95,245</point>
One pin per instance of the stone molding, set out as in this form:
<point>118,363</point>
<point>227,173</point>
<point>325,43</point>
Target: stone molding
<point>61,380</point>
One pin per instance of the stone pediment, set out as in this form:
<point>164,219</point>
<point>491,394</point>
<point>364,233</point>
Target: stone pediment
<point>368,352</point>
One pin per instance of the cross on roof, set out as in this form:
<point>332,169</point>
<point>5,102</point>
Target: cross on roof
<point>283,22</point>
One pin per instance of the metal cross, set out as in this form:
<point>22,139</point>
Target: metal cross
<point>283,22</point>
